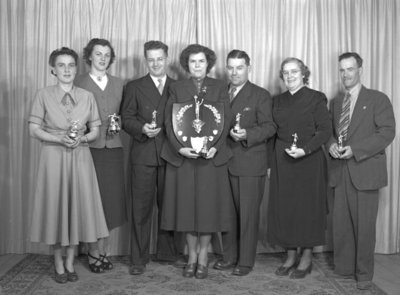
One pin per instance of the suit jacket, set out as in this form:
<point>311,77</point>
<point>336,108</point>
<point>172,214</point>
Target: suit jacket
<point>141,98</point>
<point>108,103</point>
<point>183,91</point>
<point>255,106</point>
<point>371,130</point>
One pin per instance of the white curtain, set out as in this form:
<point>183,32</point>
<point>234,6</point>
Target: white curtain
<point>316,31</point>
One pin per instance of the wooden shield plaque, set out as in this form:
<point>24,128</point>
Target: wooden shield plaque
<point>198,125</point>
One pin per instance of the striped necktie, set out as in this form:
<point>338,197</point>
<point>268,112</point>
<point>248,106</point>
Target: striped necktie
<point>232,93</point>
<point>344,117</point>
<point>160,86</point>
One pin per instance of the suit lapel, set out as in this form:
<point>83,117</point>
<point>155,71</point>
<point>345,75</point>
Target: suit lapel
<point>151,91</point>
<point>337,111</point>
<point>358,111</point>
<point>241,99</point>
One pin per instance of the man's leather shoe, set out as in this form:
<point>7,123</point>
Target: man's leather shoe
<point>201,272</point>
<point>364,285</point>
<point>189,270</point>
<point>137,269</point>
<point>224,265</point>
<point>341,277</point>
<point>241,270</point>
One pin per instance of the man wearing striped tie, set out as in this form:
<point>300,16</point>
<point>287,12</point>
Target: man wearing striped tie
<point>364,126</point>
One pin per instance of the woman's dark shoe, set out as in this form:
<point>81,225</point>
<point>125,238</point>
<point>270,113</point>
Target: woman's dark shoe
<point>201,272</point>
<point>301,273</point>
<point>72,276</point>
<point>60,278</point>
<point>189,270</point>
<point>97,265</point>
<point>284,270</point>
<point>105,262</point>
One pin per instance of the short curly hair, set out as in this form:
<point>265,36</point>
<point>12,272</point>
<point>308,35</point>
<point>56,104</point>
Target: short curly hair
<point>87,51</point>
<point>194,49</point>
<point>304,69</point>
<point>62,51</point>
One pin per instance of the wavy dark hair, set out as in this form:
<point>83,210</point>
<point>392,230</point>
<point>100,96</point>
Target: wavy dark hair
<point>304,69</point>
<point>62,51</point>
<point>358,58</point>
<point>194,49</point>
<point>87,51</point>
<point>151,45</point>
<point>240,54</point>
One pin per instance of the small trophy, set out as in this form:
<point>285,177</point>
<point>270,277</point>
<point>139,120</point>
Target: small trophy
<point>294,144</point>
<point>204,150</point>
<point>340,141</point>
<point>73,130</point>
<point>237,127</point>
<point>114,125</point>
<point>153,122</point>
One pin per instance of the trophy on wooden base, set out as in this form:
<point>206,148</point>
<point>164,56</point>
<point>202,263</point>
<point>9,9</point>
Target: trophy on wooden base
<point>73,130</point>
<point>153,122</point>
<point>294,144</point>
<point>114,125</point>
<point>237,127</point>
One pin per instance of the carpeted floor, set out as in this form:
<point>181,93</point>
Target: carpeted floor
<point>34,275</point>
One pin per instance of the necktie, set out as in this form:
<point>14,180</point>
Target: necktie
<point>160,86</point>
<point>67,99</point>
<point>232,93</point>
<point>344,116</point>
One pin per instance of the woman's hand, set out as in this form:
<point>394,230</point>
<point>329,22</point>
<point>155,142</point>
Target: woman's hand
<point>295,153</point>
<point>70,143</point>
<point>211,153</point>
<point>189,153</point>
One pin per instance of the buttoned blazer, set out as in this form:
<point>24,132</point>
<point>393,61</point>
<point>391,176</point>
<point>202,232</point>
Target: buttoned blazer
<point>141,98</point>
<point>255,107</point>
<point>108,102</point>
<point>371,130</point>
<point>183,91</point>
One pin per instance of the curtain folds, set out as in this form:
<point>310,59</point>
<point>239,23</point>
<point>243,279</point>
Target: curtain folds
<point>268,30</point>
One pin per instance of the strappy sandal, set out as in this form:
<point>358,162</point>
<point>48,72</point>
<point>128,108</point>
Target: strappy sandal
<point>95,267</point>
<point>105,262</point>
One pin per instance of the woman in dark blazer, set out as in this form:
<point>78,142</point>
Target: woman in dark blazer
<point>106,150</point>
<point>197,196</point>
<point>297,204</point>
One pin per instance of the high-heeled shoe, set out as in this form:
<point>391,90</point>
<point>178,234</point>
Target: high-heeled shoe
<point>301,273</point>
<point>105,262</point>
<point>72,276</point>
<point>60,278</point>
<point>97,265</point>
<point>284,270</point>
<point>189,270</point>
<point>201,272</point>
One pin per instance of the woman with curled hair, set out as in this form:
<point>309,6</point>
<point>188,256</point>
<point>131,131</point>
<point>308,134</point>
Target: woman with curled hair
<point>297,204</point>
<point>197,195</point>
<point>67,207</point>
<point>107,149</point>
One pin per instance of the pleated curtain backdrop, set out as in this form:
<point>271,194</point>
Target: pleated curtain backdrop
<point>316,31</point>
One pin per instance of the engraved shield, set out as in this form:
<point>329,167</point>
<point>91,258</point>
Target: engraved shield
<point>196,132</point>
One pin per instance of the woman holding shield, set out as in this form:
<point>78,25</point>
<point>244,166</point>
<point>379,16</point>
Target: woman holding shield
<point>197,195</point>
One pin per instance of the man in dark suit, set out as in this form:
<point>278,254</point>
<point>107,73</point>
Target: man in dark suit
<point>142,118</point>
<point>251,107</point>
<point>364,126</point>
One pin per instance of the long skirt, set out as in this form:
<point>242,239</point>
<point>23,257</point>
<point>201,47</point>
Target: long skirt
<point>67,207</point>
<point>197,197</point>
<point>110,175</point>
